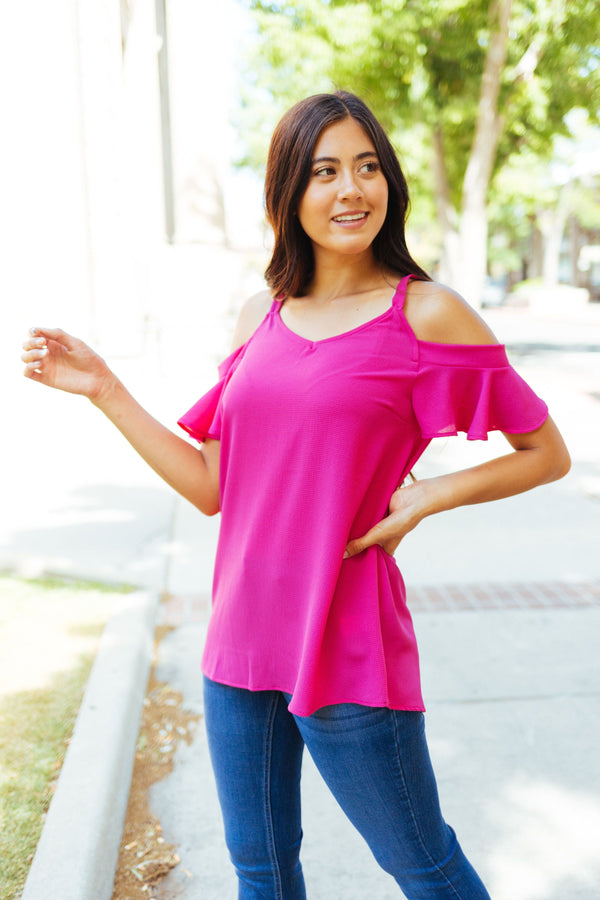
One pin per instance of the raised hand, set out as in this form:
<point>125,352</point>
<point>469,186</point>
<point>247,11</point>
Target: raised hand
<point>61,361</point>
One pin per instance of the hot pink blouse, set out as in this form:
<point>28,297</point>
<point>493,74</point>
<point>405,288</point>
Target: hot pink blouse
<point>315,436</point>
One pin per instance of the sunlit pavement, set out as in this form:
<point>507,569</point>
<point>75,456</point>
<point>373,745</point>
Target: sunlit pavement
<point>513,724</point>
<point>509,652</point>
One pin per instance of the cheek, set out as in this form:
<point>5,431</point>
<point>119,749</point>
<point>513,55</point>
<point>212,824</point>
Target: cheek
<point>311,210</point>
<point>381,203</point>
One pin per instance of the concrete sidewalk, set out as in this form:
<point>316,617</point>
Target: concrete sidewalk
<point>513,723</point>
<point>512,690</point>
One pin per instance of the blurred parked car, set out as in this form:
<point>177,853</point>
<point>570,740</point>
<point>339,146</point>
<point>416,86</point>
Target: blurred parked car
<point>494,293</point>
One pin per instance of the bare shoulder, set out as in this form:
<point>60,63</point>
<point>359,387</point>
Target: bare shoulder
<point>438,314</point>
<point>251,315</point>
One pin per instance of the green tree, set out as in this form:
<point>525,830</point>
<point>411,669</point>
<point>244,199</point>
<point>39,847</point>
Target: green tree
<point>534,198</point>
<point>465,84</point>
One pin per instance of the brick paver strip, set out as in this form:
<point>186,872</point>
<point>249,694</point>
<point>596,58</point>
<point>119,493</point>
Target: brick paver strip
<point>507,595</point>
<point>180,610</point>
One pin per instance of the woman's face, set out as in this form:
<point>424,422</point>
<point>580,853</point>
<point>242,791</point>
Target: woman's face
<point>345,202</point>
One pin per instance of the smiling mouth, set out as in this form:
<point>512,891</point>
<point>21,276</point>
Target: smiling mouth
<point>352,217</point>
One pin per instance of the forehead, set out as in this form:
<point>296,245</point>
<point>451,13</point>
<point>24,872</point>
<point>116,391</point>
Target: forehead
<point>344,137</point>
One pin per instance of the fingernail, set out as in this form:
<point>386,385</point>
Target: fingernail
<point>346,555</point>
<point>33,331</point>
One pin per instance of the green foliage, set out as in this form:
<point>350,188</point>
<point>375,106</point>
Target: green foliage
<point>419,63</point>
<point>530,185</point>
<point>587,204</point>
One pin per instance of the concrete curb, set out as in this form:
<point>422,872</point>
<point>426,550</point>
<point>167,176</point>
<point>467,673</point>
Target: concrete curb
<point>77,853</point>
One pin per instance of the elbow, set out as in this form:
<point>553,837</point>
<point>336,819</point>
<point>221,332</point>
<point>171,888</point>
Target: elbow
<point>559,464</point>
<point>206,502</point>
<point>208,507</point>
<point>562,465</point>
<point>554,452</point>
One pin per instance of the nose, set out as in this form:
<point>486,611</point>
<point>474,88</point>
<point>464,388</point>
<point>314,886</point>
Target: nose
<point>348,188</point>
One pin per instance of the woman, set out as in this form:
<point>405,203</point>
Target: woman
<point>341,373</point>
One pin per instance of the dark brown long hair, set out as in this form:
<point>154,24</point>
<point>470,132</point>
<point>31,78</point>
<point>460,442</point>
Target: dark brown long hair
<point>289,166</point>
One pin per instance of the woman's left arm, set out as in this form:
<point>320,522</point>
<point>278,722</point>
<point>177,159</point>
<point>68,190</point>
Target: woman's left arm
<point>538,456</point>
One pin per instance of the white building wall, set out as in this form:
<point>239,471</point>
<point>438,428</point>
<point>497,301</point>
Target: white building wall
<point>83,227</point>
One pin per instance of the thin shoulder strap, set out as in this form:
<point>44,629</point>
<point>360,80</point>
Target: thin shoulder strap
<point>400,295</point>
<point>277,301</point>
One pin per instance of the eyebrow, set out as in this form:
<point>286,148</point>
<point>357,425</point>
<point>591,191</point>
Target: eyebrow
<point>334,159</point>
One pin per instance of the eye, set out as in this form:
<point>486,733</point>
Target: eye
<point>324,171</point>
<point>371,166</point>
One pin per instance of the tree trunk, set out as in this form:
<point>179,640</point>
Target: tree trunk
<point>488,127</point>
<point>448,267</point>
<point>473,249</point>
<point>536,248</point>
<point>552,225</point>
<point>574,251</point>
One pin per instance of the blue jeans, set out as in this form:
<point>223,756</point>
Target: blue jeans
<point>375,762</point>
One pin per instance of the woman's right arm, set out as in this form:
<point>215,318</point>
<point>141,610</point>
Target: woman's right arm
<point>61,361</point>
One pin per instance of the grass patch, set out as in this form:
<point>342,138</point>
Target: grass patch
<point>49,633</point>
<point>35,728</point>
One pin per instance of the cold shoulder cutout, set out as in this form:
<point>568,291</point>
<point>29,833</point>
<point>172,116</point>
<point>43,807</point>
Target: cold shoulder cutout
<point>437,313</point>
<point>204,419</point>
<point>250,316</point>
<point>467,386</point>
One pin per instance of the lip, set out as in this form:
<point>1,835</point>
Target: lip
<point>351,223</point>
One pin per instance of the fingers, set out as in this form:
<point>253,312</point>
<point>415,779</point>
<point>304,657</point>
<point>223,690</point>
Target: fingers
<point>34,361</point>
<point>35,356</point>
<point>356,546</point>
<point>352,548</point>
<point>54,334</point>
<point>35,374</point>
<point>35,350</point>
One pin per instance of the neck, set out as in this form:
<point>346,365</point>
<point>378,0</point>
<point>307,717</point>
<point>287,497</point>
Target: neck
<point>337,276</point>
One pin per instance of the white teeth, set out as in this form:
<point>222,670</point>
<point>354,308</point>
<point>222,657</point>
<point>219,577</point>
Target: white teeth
<point>349,218</point>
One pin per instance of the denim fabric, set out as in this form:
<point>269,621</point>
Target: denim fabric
<point>375,762</point>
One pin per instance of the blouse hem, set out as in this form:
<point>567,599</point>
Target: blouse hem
<point>484,435</point>
<point>408,707</point>
<point>200,436</point>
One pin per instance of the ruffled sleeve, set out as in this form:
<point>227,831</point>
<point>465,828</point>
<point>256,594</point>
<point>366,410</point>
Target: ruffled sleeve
<point>203,420</point>
<point>472,388</point>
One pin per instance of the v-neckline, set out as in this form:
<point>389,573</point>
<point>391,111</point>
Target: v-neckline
<point>342,334</point>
